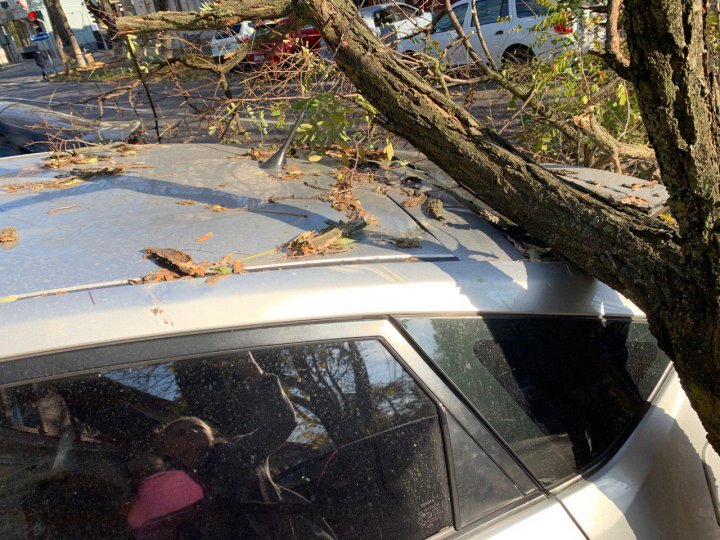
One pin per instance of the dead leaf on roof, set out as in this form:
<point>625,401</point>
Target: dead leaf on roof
<point>640,185</point>
<point>238,267</point>
<point>212,280</point>
<point>177,260</point>
<point>254,153</point>
<point>204,237</point>
<point>216,208</point>
<point>334,239</point>
<point>408,243</point>
<point>415,200</point>
<point>292,173</point>
<point>186,203</point>
<point>633,200</point>
<point>157,276</point>
<point>9,236</point>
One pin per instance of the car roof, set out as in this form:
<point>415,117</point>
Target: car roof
<point>67,282</point>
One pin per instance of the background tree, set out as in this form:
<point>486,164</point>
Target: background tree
<point>670,267</point>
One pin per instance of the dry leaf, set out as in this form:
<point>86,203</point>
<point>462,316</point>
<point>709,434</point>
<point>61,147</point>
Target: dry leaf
<point>640,185</point>
<point>314,158</point>
<point>633,200</point>
<point>415,200</point>
<point>238,267</point>
<point>212,280</point>
<point>204,237</point>
<point>186,203</point>
<point>8,234</point>
<point>178,260</point>
<point>159,275</point>
<point>216,208</point>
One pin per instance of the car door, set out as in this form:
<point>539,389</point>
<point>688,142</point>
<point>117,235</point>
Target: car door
<point>320,430</point>
<point>495,26</point>
<point>444,34</point>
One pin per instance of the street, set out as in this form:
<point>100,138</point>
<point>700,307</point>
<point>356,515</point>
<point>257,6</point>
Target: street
<point>178,116</point>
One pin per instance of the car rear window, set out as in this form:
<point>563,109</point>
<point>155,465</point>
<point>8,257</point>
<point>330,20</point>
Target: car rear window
<point>334,440</point>
<point>559,391</point>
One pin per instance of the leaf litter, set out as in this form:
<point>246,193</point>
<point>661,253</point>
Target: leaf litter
<point>176,264</point>
<point>334,239</point>
<point>9,235</point>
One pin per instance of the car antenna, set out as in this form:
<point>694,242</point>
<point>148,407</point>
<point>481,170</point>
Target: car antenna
<point>277,161</point>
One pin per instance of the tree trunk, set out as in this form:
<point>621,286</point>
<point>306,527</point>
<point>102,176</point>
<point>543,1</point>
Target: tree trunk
<point>678,96</point>
<point>59,20</point>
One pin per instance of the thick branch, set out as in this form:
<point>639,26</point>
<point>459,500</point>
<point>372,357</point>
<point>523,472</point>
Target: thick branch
<point>613,55</point>
<point>221,14</point>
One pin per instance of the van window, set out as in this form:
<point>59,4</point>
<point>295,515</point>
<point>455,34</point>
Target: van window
<point>320,440</point>
<point>559,391</point>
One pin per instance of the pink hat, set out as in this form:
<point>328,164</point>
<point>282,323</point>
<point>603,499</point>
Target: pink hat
<point>161,494</point>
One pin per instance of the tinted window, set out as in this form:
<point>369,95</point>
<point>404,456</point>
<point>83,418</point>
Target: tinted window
<point>443,22</point>
<point>332,440</point>
<point>482,487</point>
<point>560,392</point>
<point>530,8</point>
<point>490,11</point>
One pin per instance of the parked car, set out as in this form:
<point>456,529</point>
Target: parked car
<point>229,40</point>
<point>420,378</point>
<point>400,19</point>
<point>512,29</point>
<point>27,128</point>
<point>279,49</point>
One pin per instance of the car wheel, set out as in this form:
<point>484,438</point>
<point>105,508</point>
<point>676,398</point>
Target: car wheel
<point>518,55</point>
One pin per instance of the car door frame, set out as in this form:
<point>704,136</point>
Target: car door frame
<point>136,353</point>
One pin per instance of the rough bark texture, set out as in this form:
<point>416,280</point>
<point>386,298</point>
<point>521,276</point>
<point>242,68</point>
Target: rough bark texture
<point>670,273</point>
<point>61,19</point>
<point>678,96</point>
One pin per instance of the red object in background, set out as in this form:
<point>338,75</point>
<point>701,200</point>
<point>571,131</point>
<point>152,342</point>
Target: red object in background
<point>32,15</point>
<point>563,29</point>
<point>277,50</point>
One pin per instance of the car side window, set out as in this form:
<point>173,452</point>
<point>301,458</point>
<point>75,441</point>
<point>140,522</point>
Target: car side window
<point>559,391</point>
<point>319,440</point>
<point>443,22</point>
<point>529,8</point>
<point>490,11</point>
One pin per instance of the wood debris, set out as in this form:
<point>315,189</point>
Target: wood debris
<point>176,260</point>
<point>342,198</point>
<point>255,153</point>
<point>73,178</point>
<point>328,241</point>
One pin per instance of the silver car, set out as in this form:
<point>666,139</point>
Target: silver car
<point>193,347</point>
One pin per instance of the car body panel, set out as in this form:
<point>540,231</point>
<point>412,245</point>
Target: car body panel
<point>501,36</point>
<point>68,294</point>
<point>391,17</point>
<point>225,42</point>
<point>646,489</point>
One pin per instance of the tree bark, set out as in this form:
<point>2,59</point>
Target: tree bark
<point>678,96</point>
<point>60,20</point>
<point>671,273</point>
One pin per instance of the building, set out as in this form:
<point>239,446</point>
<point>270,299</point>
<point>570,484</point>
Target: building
<point>17,29</point>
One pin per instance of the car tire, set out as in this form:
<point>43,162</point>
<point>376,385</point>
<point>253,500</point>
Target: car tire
<point>518,55</point>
